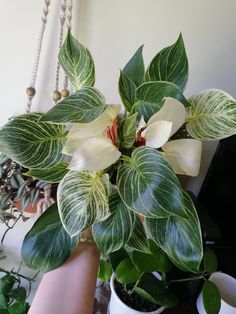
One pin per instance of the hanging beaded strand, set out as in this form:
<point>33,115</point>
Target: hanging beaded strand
<point>30,91</point>
<point>65,92</point>
<point>56,94</point>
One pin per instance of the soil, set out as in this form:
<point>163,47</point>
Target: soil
<point>134,300</point>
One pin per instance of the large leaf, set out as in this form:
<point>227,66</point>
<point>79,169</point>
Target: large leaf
<point>77,62</point>
<point>47,245</point>
<point>84,106</point>
<point>134,69</point>
<point>127,90</point>
<point>127,131</point>
<point>212,115</point>
<point>31,143</point>
<point>52,174</point>
<point>179,237</point>
<point>82,200</point>
<point>138,239</point>
<point>112,233</point>
<point>211,298</point>
<point>126,272</point>
<point>170,64</point>
<point>148,186</point>
<point>150,97</point>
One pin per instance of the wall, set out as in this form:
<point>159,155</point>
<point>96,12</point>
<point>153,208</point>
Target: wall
<point>113,30</point>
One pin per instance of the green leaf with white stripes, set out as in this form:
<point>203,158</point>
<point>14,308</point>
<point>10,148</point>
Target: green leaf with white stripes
<point>150,97</point>
<point>32,143</point>
<point>179,237</point>
<point>83,106</point>
<point>138,239</point>
<point>113,233</point>
<point>127,131</point>
<point>170,64</point>
<point>127,90</point>
<point>47,245</point>
<point>77,62</point>
<point>82,200</point>
<point>52,174</point>
<point>147,184</point>
<point>212,115</point>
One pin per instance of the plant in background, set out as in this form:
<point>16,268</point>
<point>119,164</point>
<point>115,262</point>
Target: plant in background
<point>121,166</point>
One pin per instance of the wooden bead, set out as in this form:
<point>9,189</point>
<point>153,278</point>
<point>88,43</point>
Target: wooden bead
<point>56,95</point>
<point>65,93</point>
<point>30,91</point>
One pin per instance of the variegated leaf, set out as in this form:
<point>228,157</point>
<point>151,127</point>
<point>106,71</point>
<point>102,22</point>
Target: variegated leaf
<point>212,115</point>
<point>150,97</point>
<point>52,174</point>
<point>113,233</point>
<point>31,143</point>
<point>170,64</point>
<point>127,90</point>
<point>127,131</point>
<point>77,62</point>
<point>138,239</point>
<point>134,69</point>
<point>47,245</point>
<point>148,186</point>
<point>179,237</point>
<point>84,106</point>
<point>82,200</point>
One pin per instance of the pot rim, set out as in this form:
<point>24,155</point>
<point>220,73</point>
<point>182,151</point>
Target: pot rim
<point>113,291</point>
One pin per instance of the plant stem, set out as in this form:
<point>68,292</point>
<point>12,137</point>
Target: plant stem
<point>202,276</point>
<point>137,282</point>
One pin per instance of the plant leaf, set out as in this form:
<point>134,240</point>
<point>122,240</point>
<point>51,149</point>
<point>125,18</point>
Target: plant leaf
<point>47,245</point>
<point>138,239</point>
<point>52,174</point>
<point>6,283</point>
<point>18,308</point>
<point>211,297</point>
<point>170,64</point>
<point>83,106</point>
<point>31,143</point>
<point>150,97</point>
<point>18,294</point>
<point>148,263</point>
<point>212,115</point>
<point>127,90</point>
<point>126,272</point>
<point>179,237</point>
<point>210,261</point>
<point>112,233</point>
<point>105,271</point>
<point>128,129</point>
<point>154,194</point>
<point>116,257</point>
<point>82,200</point>
<point>134,69</point>
<point>77,62</point>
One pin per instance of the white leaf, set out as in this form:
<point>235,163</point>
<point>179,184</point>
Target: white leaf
<point>94,154</point>
<point>157,134</point>
<point>173,111</point>
<point>97,126</point>
<point>184,155</point>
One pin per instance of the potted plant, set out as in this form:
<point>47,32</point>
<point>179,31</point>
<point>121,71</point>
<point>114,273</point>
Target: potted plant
<point>121,165</point>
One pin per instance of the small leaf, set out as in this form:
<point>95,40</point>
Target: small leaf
<point>212,115</point>
<point>18,294</point>
<point>211,298</point>
<point>18,308</point>
<point>138,239</point>
<point>116,257</point>
<point>31,143</point>
<point>210,261</point>
<point>6,283</point>
<point>105,271</point>
<point>150,97</point>
<point>127,90</point>
<point>126,272</point>
<point>148,263</point>
<point>52,174</point>
<point>128,129</point>
<point>3,303</point>
<point>82,200</point>
<point>170,64</point>
<point>179,237</point>
<point>77,62</point>
<point>47,245</point>
<point>134,69</point>
<point>148,192</point>
<point>113,233</point>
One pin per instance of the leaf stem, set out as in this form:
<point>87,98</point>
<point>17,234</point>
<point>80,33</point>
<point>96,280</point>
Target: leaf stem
<point>137,282</point>
<point>202,276</point>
